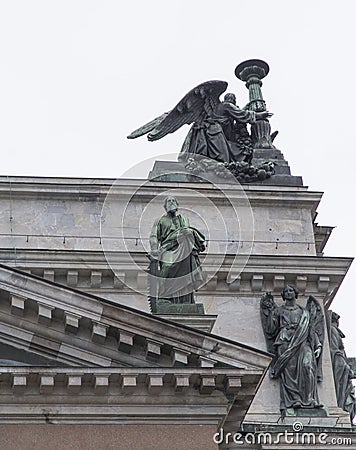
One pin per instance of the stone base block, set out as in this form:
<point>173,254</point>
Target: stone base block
<point>306,412</point>
<point>175,171</point>
<point>180,308</point>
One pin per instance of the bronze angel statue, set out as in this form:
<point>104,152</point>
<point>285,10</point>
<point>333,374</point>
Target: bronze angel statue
<point>295,335</point>
<point>218,128</point>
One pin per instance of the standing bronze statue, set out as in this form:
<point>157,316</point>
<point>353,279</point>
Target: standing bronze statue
<point>295,335</point>
<point>175,271</point>
<point>343,374</point>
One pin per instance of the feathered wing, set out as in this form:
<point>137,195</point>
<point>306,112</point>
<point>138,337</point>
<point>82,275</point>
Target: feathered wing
<point>147,127</point>
<point>269,319</point>
<point>316,318</point>
<point>317,329</point>
<point>194,107</point>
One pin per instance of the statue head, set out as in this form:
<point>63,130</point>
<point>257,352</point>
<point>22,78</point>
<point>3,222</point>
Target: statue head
<point>289,292</point>
<point>170,204</point>
<point>230,98</point>
<point>335,318</point>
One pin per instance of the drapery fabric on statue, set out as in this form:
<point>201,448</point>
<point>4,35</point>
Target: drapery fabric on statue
<point>177,246</point>
<point>295,335</point>
<point>343,374</point>
<point>216,136</point>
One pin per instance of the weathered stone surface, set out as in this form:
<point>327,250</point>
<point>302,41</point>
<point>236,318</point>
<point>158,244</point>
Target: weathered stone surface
<point>173,172</point>
<point>284,246</point>
<point>45,313</point>
<point>271,208</point>
<point>182,308</point>
<point>17,304</point>
<point>114,436</point>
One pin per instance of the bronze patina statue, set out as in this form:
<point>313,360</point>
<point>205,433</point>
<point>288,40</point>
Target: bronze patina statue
<point>219,128</point>
<point>296,336</point>
<point>218,140</point>
<point>343,373</point>
<point>175,271</point>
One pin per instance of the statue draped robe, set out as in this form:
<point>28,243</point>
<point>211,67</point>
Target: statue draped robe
<point>179,245</point>
<point>295,363</point>
<point>214,137</point>
<point>345,391</point>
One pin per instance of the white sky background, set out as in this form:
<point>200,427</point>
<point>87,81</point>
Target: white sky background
<point>78,76</point>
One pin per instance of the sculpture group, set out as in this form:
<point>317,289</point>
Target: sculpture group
<point>295,335</point>
<point>223,136</point>
<point>218,130</point>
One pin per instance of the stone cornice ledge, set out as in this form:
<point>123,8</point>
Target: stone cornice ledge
<point>110,395</point>
<point>76,187</point>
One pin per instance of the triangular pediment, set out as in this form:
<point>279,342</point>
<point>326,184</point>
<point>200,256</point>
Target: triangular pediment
<point>61,346</point>
<point>63,326</point>
<point>17,357</point>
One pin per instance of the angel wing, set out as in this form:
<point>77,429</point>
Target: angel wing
<point>194,107</point>
<point>147,127</point>
<point>316,331</point>
<point>269,319</point>
<point>316,318</point>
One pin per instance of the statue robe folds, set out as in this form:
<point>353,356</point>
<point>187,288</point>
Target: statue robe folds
<point>215,137</point>
<point>343,374</point>
<point>295,363</point>
<point>179,245</point>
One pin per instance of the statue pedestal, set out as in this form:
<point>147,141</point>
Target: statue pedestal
<point>312,421</point>
<point>180,308</point>
<point>175,172</point>
<point>306,412</point>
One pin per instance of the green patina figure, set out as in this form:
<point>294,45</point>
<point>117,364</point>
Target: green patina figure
<point>295,335</point>
<point>219,137</point>
<point>343,373</point>
<point>175,270</point>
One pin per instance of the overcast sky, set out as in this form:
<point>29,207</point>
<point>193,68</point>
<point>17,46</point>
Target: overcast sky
<point>78,76</point>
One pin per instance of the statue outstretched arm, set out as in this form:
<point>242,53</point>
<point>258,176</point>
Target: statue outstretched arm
<point>245,114</point>
<point>241,115</point>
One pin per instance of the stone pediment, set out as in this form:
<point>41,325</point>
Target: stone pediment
<point>99,361</point>
<point>68,327</point>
